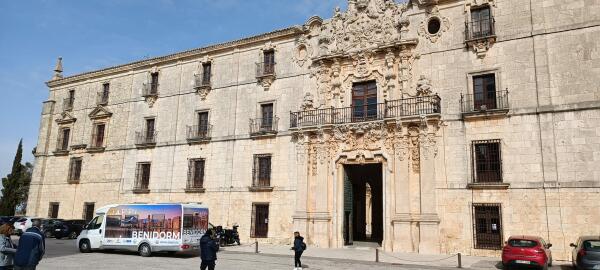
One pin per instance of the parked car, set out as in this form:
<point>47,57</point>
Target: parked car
<point>22,224</point>
<point>48,226</point>
<point>68,228</point>
<point>586,253</point>
<point>526,250</point>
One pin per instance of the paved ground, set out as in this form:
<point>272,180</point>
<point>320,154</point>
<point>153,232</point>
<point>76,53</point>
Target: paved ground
<point>62,254</point>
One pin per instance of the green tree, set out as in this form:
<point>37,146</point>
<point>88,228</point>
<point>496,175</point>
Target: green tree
<point>13,185</point>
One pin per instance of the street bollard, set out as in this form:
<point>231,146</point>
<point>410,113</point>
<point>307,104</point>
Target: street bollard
<point>255,246</point>
<point>459,260</point>
<point>376,255</point>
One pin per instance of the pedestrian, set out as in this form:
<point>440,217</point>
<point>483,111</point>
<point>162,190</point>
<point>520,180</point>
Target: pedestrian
<point>7,248</point>
<point>298,248</point>
<point>208,250</point>
<point>32,246</point>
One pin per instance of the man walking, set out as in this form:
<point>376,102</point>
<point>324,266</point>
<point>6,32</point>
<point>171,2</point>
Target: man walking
<point>208,250</point>
<point>32,246</point>
<point>299,247</point>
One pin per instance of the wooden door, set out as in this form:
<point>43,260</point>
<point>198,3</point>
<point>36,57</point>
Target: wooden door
<point>364,101</point>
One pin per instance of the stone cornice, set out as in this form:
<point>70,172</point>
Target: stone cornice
<point>291,31</point>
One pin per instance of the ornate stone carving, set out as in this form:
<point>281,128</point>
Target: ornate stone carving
<point>151,100</point>
<point>303,51</point>
<point>308,102</point>
<point>424,87</point>
<point>475,3</point>
<point>444,24</point>
<point>481,46</point>
<point>414,148</point>
<point>66,117</point>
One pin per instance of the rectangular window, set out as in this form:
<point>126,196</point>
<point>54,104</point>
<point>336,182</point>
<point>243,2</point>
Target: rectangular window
<point>206,73</point>
<point>154,83</point>
<point>202,124</point>
<point>98,136</point>
<point>88,211</point>
<point>142,176</point>
<point>364,101</point>
<point>260,220</point>
<point>487,161</point>
<point>196,173</point>
<point>484,92</point>
<point>63,139</point>
<point>481,21</point>
<point>269,62</point>
<point>103,99</point>
<point>150,129</point>
<point>262,171</point>
<point>53,210</point>
<point>266,111</point>
<point>75,169</point>
<point>71,97</point>
<point>487,223</point>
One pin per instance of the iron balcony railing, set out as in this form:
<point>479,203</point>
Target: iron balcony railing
<point>102,98</point>
<point>480,29</point>
<point>200,80</point>
<point>150,89</point>
<point>265,69</point>
<point>199,132</point>
<point>145,138</point>
<point>371,112</point>
<point>481,102</point>
<point>68,104</point>
<point>264,125</point>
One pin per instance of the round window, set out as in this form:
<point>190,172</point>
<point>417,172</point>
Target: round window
<point>433,26</point>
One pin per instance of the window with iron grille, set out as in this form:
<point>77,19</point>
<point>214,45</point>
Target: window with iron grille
<point>53,210</point>
<point>196,173</point>
<point>206,73</point>
<point>75,169</point>
<point>484,92</point>
<point>487,161</point>
<point>262,171</point>
<point>142,176</point>
<point>260,220</point>
<point>98,135</point>
<point>481,21</point>
<point>63,139</point>
<point>487,226</point>
<point>88,211</point>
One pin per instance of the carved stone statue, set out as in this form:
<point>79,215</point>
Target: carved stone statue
<point>308,102</point>
<point>424,87</point>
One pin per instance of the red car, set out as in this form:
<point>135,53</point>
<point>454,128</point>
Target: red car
<point>523,250</point>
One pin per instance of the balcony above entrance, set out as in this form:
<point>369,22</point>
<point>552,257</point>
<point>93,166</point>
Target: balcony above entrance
<point>407,108</point>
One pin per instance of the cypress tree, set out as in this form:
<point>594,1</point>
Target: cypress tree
<point>12,185</point>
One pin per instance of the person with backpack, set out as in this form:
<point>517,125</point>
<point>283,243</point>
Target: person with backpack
<point>208,250</point>
<point>31,249</point>
<point>298,248</point>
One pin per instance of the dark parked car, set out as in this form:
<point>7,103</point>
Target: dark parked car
<point>48,226</point>
<point>586,253</point>
<point>526,250</point>
<point>68,228</point>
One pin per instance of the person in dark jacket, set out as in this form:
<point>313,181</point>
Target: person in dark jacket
<point>208,250</point>
<point>299,247</point>
<point>31,248</point>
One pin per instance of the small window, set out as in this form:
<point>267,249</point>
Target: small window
<point>487,161</point>
<point>72,96</point>
<point>98,136</point>
<point>75,169</point>
<point>103,96</point>
<point>142,176</point>
<point>487,223</point>
<point>88,211</point>
<point>154,83</point>
<point>266,111</point>
<point>260,220</point>
<point>202,124</point>
<point>262,171</point>
<point>484,92</point>
<point>481,22</point>
<point>269,62</point>
<point>434,25</point>
<point>206,73</point>
<point>196,173</point>
<point>63,139</point>
<point>150,129</point>
<point>53,210</point>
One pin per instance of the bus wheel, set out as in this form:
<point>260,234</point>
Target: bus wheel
<point>84,246</point>
<point>145,250</point>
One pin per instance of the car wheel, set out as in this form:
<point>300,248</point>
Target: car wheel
<point>58,237</point>
<point>145,250</point>
<point>72,235</point>
<point>84,246</point>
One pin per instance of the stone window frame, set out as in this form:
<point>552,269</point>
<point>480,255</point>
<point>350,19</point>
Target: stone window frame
<point>497,75</point>
<point>73,176</point>
<point>474,6</point>
<point>137,185</point>
<point>50,208</point>
<point>259,107</point>
<point>476,244</point>
<point>472,184</point>
<point>95,123</point>
<point>189,183</point>
<point>59,138</point>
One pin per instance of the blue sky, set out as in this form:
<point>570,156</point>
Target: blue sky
<point>93,34</point>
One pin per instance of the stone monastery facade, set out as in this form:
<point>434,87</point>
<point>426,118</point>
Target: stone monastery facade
<point>434,126</point>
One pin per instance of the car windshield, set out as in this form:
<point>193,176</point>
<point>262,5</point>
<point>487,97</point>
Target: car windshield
<point>591,245</point>
<point>522,243</point>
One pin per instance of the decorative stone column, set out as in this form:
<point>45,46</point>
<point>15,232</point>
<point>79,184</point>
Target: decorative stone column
<point>300,216</point>
<point>428,218</point>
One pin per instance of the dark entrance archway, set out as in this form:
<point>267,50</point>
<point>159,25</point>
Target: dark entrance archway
<point>360,222</point>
